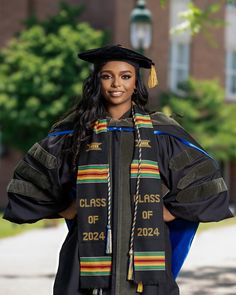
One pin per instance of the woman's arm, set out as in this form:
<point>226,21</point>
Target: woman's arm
<point>41,184</point>
<point>197,191</point>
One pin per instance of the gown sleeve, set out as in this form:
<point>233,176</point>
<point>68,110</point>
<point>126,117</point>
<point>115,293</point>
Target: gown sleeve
<point>196,189</point>
<point>42,181</point>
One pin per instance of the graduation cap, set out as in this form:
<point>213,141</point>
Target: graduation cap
<point>117,52</point>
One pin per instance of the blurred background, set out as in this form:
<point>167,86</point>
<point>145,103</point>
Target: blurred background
<point>193,45</point>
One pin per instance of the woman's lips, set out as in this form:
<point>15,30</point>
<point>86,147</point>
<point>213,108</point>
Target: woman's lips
<point>116,93</point>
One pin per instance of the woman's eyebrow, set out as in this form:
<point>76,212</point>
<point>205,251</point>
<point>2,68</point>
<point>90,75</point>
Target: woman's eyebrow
<point>121,72</point>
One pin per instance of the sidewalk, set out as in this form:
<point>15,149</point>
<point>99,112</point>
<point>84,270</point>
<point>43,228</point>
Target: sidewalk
<point>210,268</point>
<point>28,263</point>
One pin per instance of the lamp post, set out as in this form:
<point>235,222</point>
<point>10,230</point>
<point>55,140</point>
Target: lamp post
<point>141,27</point>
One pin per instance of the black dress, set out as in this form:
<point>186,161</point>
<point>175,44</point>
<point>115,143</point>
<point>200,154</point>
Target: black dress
<point>44,184</point>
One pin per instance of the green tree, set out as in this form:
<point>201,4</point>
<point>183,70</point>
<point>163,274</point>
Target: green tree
<point>40,74</point>
<point>200,108</point>
<point>196,19</point>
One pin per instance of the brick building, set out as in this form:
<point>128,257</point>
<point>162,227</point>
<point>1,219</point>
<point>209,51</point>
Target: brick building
<point>176,57</point>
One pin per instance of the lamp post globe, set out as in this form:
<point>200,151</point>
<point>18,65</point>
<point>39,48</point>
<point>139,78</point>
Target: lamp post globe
<point>141,27</point>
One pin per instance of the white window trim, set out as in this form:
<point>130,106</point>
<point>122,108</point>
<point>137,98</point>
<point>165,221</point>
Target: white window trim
<point>228,73</point>
<point>230,5</point>
<point>174,66</point>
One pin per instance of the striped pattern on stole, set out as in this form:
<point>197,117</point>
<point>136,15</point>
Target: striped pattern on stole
<point>100,126</point>
<point>148,169</point>
<point>143,121</point>
<point>97,173</point>
<point>148,261</point>
<point>95,266</point>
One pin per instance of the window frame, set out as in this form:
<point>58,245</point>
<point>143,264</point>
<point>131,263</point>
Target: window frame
<point>229,72</point>
<point>175,65</point>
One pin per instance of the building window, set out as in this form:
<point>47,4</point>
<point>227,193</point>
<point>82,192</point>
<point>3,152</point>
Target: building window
<point>178,64</point>
<point>231,74</point>
<point>231,3</point>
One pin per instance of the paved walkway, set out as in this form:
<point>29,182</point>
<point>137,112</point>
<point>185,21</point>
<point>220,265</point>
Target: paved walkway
<point>210,268</point>
<point>28,263</point>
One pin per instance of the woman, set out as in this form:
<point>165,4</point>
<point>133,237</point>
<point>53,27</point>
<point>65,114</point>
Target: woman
<point>103,167</point>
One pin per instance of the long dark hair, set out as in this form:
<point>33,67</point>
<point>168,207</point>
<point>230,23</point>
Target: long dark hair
<point>92,107</point>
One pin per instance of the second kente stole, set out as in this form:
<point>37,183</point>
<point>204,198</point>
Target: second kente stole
<point>147,262</point>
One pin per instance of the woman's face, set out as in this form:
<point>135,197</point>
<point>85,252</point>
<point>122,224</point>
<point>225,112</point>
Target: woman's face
<point>118,81</point>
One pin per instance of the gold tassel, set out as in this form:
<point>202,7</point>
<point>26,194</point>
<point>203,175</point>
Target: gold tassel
<point>140,287</point>
<point>130,271</point>
<point>152,80</point>
<point>109,241</point>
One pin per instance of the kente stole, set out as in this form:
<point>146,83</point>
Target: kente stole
<point>93,185</point>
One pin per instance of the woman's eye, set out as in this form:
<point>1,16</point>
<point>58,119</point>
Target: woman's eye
<point>105,77</point>
<point>126,77</point>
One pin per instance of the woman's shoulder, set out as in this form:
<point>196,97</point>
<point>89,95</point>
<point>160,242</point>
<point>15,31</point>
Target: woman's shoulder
<point>169,129</point>
<point>160,119</point>
<point>165,125</point>
<point>58,138</point>
<point>65,123</point>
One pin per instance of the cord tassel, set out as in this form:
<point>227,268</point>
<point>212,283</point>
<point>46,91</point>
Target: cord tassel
<point>140,287</point>
<point>131,270</point>
<point>109,240</point>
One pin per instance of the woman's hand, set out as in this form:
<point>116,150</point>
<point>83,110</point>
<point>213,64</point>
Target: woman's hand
<point>70,212</point>
<point>167,215</point>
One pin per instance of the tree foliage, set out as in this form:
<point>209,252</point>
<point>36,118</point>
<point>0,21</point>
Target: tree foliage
<point>200,108</point>
<point>40,74</point>
<point>196,19</point>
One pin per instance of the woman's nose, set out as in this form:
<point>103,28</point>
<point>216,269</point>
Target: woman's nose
<point>116,82</point>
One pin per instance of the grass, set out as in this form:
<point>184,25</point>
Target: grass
<point>214,225</point>
<point>8,229</point>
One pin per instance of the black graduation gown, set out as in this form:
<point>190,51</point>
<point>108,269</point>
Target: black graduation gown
<point>44,181</point>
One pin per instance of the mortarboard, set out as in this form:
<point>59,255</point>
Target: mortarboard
<point>117,52</point>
